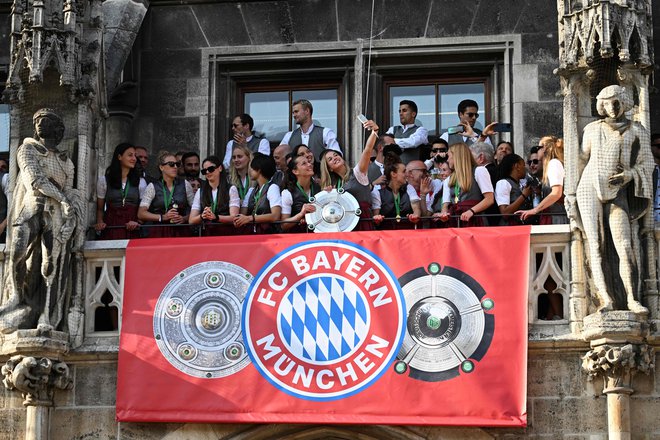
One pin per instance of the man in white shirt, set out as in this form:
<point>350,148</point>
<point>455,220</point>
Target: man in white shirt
<point>317,138</point>
<point>468,113</point>
<point>242,126</point>
<point>408,136</point>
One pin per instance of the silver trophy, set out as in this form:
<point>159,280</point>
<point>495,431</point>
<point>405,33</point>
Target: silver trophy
<point>336,211</point>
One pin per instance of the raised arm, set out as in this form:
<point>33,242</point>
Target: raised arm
<point>365,159</point>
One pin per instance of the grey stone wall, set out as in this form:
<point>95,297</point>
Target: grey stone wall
<point>561,403</point>
<point>172,37</point>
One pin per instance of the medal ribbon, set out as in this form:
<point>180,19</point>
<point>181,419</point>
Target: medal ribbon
<point>214,200</point>
<point>244,188</point>
<point>257,198</point>
<point>166,195</point>
<point>302,191</point>
<point>397,205</point>
<point>124,193</point>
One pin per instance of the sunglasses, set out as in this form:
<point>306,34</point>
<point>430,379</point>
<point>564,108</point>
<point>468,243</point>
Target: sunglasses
<point>439,150</point>
<point>533,161</point>
<point>172,164</point>
<point>208,170</point>
<point>472,115</point>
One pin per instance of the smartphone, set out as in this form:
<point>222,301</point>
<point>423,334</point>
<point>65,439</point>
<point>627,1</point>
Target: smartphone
<point>362,118</point>
<point>502,127</point>
<point>456,129</point>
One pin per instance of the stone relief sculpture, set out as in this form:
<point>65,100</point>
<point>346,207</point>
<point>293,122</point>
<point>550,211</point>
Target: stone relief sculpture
<point>44,214</point>
<point>36,378</point>
<point>613,193</point>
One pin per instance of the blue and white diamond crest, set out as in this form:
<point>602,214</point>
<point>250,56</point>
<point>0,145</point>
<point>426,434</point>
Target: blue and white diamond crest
<point>323,318</point>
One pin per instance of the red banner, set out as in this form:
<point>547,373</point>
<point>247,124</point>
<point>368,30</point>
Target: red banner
<point>396,327</point>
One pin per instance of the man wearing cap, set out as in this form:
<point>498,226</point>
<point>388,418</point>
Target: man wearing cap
<point>408,135</point>
<point>317,138</point>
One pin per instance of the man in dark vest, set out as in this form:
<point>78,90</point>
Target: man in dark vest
<point>408,136</point>
<point>468,113</point>
<point>317,138</point>
<point>242,126</point>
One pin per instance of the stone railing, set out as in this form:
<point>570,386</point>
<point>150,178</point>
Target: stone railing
<point>549,257</point>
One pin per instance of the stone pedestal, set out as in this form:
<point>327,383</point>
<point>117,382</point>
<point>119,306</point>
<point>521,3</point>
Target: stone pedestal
<point>51,344</point>
<point>618,352</point>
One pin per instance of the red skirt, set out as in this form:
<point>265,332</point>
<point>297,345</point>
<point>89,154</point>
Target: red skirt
<point>365,213</point>
<point>456,209</point>
<point>119,216</point>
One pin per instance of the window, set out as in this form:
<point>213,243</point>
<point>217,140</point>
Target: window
<point>271,109</point>
<point>437,102</point>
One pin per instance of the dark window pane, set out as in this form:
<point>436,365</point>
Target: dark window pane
<point>270,111</point>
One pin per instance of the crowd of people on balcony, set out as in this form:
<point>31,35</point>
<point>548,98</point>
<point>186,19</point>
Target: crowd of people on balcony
<point>402,180</point>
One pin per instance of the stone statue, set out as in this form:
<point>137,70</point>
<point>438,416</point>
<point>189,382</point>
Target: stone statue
<point>44,214</point>
<point>614,191</point>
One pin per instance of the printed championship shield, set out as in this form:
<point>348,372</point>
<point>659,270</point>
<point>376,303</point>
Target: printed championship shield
<point>324,320</point>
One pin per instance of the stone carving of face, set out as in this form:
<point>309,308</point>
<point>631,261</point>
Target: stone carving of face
<point>46,127</point>
<point>613,108</point>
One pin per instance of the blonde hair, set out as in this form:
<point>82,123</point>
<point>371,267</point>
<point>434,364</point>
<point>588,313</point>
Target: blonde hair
<point>326,173</point>
<point>162,154</point>
<point>553,148</point>
<point>464,164</point>
<point>233,173</point>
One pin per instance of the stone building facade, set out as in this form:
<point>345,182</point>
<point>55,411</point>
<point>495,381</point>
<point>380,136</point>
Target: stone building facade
<point>176,74</point>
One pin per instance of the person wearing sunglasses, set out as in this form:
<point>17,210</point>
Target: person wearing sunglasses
<point>468,113</point>
<point>118,195</point>
<point>438,156</point>
<point>551,207</point>
<point>336,173</point>
<point>242,128</point>
<point>214,204</point>
<point>167,201</point>
<point>263,205</point>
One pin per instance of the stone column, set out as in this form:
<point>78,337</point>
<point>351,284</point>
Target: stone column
<point>618,352</point>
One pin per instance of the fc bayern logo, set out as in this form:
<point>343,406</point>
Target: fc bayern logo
<point>323,320</point>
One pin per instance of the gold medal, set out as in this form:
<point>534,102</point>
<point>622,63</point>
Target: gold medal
<point>398,218</point>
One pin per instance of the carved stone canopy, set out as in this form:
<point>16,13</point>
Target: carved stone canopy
<point>595,28</point>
